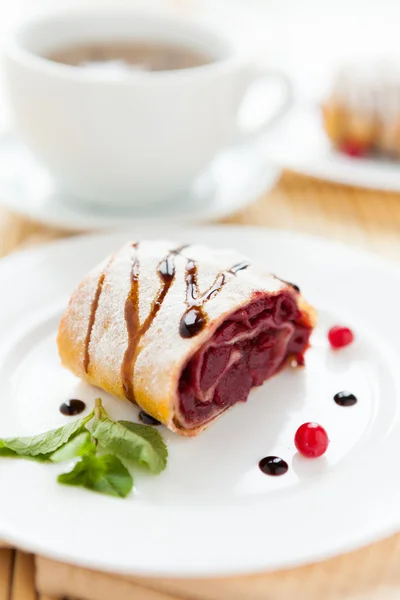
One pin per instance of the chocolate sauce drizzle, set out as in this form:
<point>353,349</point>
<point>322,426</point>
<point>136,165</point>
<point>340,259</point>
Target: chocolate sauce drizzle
<point>166,273</point>
<point>194,319</point>
<point>292,285</point>
<point>132,327</point>
<point>92,317</point>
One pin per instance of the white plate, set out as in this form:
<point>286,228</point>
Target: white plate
<point>213,512</point>
<point>299,143</point>
<point>234,179</point>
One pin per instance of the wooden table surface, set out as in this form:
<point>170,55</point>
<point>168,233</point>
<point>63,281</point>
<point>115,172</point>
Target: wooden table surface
<point>364,218</point>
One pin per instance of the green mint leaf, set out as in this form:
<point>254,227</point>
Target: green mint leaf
<point>152,436</point>
<point>79,445</point>
<point>105,474</point>
<point>140,443</point>
<point>7,453</point>
<point>45,443</point>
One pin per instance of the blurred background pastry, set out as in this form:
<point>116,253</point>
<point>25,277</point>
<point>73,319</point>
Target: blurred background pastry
<point>362,113</point>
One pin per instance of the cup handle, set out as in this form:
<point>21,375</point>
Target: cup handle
<point>256,75</point>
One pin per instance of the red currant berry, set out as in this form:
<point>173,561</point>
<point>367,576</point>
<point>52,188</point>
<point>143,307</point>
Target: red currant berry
<point>353,149</point>
<point>339,336</point>
<point>311,440</point>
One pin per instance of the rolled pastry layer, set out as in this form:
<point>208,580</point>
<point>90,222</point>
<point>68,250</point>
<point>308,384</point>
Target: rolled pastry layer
<point>182,331</point>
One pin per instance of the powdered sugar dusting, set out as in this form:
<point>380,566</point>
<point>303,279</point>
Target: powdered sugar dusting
<point>371,89</point>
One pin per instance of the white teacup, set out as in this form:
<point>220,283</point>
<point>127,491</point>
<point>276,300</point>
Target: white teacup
<point>131,137</point>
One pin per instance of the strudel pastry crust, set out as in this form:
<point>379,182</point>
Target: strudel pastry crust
<point>182,331</point>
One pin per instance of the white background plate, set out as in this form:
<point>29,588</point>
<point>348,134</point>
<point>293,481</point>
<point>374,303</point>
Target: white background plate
<point>212,512</point>
<point>299,143</point>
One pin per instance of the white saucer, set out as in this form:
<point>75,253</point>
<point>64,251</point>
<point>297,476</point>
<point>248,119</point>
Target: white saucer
<point>212,512</point>
<point>299,143</point>
<point>234,179</point>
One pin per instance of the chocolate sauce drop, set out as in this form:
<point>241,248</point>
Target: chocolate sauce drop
<point>148,419</point>
<point>72,407</point>
<point>345,399</point>
<point>273,465</point>
<point>192,322</point>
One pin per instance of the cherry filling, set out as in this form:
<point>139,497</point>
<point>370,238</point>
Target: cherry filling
<point>250,346</point>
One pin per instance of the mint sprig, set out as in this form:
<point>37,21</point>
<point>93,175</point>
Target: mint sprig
<point>104,473</point>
